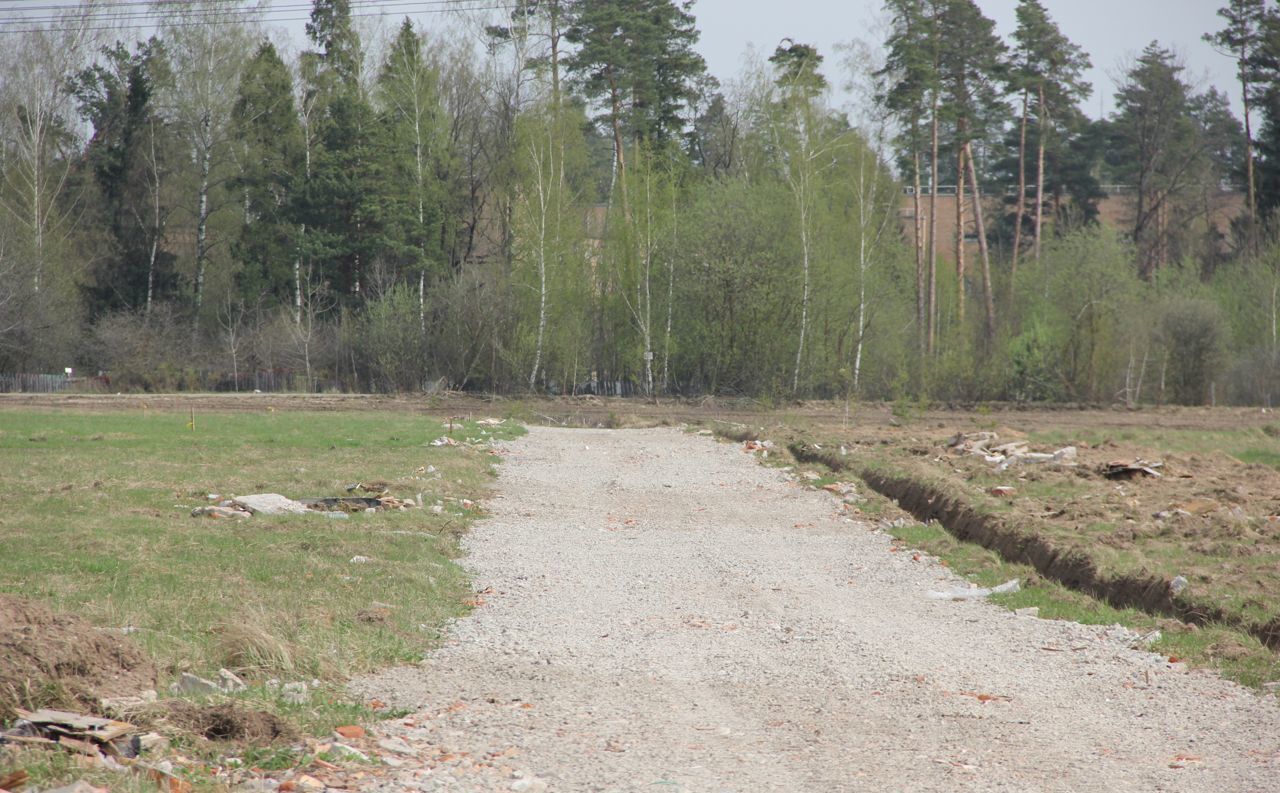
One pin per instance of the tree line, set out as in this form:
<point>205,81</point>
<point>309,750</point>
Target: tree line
<point>559,198</point>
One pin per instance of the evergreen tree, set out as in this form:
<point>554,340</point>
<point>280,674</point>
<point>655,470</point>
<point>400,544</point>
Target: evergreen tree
<point>343,238</point>
<point>409,147</point>
<point>133,157</point>
<point>1047,71</point>
<point>270,145</point>
<point>911,97</point>
<point>970,74</point>
<point>1161,144</point>
<point>635,58</point>
<point>1244,38</point>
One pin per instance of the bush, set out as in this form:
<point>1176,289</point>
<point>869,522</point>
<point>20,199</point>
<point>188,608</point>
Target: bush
<point>145,352</point>
<point>1193,333</point>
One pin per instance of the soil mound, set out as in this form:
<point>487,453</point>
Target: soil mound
<point>59,660</point>
<point>227,722</point>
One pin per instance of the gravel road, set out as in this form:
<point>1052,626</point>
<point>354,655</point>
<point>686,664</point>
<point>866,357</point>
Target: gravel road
<point>659,612</point>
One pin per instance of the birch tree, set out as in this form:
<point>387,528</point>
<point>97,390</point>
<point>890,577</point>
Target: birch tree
<point>40,144</point>
<point>206,42</point>
<point>805,145</point>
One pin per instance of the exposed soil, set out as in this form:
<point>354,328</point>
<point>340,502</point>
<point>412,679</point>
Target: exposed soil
<point>49,659</point>
<point>592,411</point>
<point>228,722</point>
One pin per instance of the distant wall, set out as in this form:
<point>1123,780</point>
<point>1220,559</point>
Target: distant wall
<point>1115,211</point>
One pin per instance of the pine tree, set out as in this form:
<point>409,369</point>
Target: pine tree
<point>636,60</point>
<point>1047,71</point>
<point>1158,145</point>
<point>909,69</point>
<point>342,238</point>
<point>970,75</point>
<point>1243,38</point>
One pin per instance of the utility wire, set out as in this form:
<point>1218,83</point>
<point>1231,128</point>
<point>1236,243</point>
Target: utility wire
<point>136,9</point>
<point>108,21</point>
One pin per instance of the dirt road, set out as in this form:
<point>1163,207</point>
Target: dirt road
<point>661,613</point>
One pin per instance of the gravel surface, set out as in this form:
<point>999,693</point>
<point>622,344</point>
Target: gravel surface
<point>660,612</point>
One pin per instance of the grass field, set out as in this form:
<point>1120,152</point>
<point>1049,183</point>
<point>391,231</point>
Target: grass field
<point>97,522</point>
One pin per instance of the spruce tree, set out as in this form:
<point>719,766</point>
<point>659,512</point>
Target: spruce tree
<point>269,140</point>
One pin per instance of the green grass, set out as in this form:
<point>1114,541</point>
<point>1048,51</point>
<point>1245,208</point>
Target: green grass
<point>1233,653</point>
<point>97,521</point>
<point>1251,445</point>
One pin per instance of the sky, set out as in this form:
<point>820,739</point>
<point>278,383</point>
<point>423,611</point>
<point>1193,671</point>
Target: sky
<point>1109,30</point>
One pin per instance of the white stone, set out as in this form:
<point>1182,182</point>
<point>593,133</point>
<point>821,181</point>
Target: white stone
<point>194,684</point>
<point>229,682</point>
<point>344,752</point>
<point>295,693</point>
<point>270,504</point>
<point>396,745</point>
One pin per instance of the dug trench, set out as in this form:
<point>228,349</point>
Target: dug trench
<point>1023,544</point>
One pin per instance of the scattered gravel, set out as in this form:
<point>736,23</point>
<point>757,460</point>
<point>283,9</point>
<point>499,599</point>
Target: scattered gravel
<point>657,609</point>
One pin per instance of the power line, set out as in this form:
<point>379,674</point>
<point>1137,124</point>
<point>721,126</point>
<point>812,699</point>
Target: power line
<point>121,10</point>
<point>234,15</point>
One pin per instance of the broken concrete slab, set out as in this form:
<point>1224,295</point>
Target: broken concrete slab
<point>269,504</point>
<point>194,684</point>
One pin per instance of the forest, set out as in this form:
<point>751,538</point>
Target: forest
<point>555,196</point>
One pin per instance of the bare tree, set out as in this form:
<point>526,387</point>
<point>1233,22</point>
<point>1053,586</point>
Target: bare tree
<point>39,116</point>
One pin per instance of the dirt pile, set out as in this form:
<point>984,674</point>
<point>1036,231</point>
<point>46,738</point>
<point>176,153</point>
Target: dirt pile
<point>228,722</point>
<point>59,660</point>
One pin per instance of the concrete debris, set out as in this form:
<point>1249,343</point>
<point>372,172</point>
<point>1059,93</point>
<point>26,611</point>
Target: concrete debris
<point>344,752</point>
<point>444,440</point>
<point>195,685</point>
<point>268,504</point>
<point>1128,469</point>
<point>122,705</point>
<point>1004,455</point>
<point>244,507</point>
<point>976,593</point>
<point>396,745</point>
<point>295,693</point>
<point>230,682</point>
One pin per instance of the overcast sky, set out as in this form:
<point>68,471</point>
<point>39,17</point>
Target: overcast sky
<point>1109,30</point>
